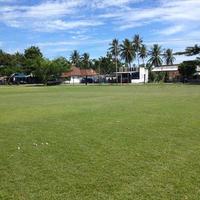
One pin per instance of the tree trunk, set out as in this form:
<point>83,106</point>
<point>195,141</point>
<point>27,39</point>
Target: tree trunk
<point>138,60</point>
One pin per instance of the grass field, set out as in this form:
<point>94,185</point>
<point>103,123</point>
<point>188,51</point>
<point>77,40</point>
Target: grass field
<point>100,142</point>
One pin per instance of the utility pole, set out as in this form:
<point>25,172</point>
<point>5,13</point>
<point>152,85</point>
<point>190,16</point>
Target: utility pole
<point>116,63</point>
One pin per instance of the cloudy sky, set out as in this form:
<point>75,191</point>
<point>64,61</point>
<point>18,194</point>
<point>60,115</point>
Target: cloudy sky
<point>60,26</point>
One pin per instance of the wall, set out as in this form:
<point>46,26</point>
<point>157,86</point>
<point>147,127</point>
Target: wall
<point>75,80</point>
<point>143,72</point>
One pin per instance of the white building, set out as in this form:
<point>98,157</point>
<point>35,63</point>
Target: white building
<point>133,75</point>
<point>76,75</point>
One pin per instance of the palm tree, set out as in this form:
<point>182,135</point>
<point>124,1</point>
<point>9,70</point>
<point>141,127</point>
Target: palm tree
<point>75,58</point>
<point>115,50</point>
<point>169,57</point>
<point>127,52</point>
<point>137,43</point>
<point>86,60</point>
<point>191,51</point>
<point>143,53</point>
<point>155,55</point>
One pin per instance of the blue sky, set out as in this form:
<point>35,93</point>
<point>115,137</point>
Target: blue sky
<point>60,26</point>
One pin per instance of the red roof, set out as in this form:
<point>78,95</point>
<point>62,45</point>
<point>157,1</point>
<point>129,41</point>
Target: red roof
<point>75,71</point>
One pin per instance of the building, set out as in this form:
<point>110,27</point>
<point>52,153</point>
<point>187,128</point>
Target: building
<point>77,75</point>
<point>132,75</point>
<point>172,73</point>
<point>20,78</point>
<point>3,80</point>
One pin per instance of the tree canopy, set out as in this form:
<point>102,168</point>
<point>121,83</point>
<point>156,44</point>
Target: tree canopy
<point>124,53</point>
<point>188,68</point>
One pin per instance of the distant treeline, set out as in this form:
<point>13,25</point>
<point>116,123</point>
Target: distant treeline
<point>119,54</point>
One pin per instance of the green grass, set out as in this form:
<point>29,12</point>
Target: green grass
<point>104,142</point>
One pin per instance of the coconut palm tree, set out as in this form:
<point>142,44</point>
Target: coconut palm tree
<point>137,43</point>
<point>191,51</point>
<point>155,56</point>
<point>143,53</point>
<point>85,59</point>
<point>75,58</point>
<point>115,50</point>
<point>169,57</point>
<point>127,52</point>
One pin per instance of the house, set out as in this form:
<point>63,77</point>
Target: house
<point>20,78</point>
<point>198,71</point>
<point>77,75</point>
<point>132,75</point>
<point>3,80</point>
<point>171,71</point>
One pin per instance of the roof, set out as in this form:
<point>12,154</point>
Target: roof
<point>166,68</point>
<point>19,75</point>
<point>88,72</point>
<point>75,71</point>
<point>2,78</point>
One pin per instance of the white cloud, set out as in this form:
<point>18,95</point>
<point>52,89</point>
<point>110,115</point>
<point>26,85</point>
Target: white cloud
<point>74,42</point>
<point>80,17</point>
<point>112,3</point>
<point>59,25</point>
<point>46,16</point>
<point>52,14</point>
<point>177,13</point>
<point>6,1</point>
<point>172,30</point>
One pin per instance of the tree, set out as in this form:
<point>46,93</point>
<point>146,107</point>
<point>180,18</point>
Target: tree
<point>137,44</point>
<point>115,50</point>
<point>169,57</point>
<point>192,51</point>
<point>32,56</point>
<point>105,64</point>
<point>51,70</point>
<point>61,65</point>
<point>18,60</point>
<point>75,58</point>
<point>5,59</point>
<point>155,55</point>
<point>127,52</point>
<point>187,68</point>
<point>143,53</point>
<point>33,53</point>
<point>9,64</point>
<point>85,61</point>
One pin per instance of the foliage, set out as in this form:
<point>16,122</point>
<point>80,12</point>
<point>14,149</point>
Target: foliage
<point>155,55</point>
<point>143,53</point>
<point>115,49</point>
<point>51,70</point>
<point>137,44</point>
<point>169,57</point>
<point>33,53</point>
<point>10,64</point>
<point>191,51</point>
<point>85,61</point>
<point>127,52</point>
<point>157,76</point>
<point>105,64</point>
<point>187,68</point>
<point>75,58</point>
